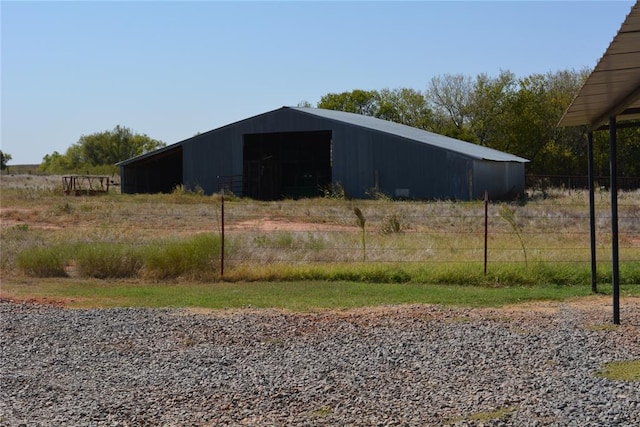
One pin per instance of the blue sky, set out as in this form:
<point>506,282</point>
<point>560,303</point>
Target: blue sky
<point>172,69</point>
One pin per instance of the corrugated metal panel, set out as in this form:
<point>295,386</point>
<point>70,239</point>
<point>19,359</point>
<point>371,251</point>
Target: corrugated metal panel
<point>365,152</point>
<point>613,88</point>
<point>415,134</point>
<point>499,179</point>
<point>150,154</point>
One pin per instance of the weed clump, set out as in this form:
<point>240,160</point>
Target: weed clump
<point>333,191</point>
<point>196,257</point>
<point>43,262</point>
<point>108,260</point>
<point>391,225</point>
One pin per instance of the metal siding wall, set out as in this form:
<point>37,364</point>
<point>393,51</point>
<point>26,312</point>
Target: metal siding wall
<point>124,180</point>
<point>219,152</point>
<point>352,160</point>
<point>515,177</point>
<point>500,179</point>
<point>487,176</point>
<point>460,177</point>
<point>357,153</point>
<point>208,156</point>
<point>410,169</point>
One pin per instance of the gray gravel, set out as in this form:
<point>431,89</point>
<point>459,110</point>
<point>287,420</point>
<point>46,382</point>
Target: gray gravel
<point>413,366</point>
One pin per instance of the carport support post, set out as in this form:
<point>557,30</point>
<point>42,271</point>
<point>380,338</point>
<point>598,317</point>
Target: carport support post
<point>615,276</point>
<point>222,232</point>
<point>592,213</point>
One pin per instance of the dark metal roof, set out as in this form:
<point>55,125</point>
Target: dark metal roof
<point>613,87</point>
<point>153,153</point>
<point>375,124</point>
<point>415,134</point>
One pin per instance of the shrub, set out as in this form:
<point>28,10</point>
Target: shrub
<point>333,191</point>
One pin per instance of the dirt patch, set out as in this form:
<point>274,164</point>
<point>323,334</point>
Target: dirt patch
<point>269,225</point>
<point>37,301</point>
<point>581,303</point>
<point>11,217</point>
<point>591,303</point>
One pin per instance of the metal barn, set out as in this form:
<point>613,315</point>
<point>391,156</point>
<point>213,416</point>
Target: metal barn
<point>297,152</point>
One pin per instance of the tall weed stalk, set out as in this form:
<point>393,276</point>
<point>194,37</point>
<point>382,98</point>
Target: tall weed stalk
<point>361,222</point>
<point>509,215</point>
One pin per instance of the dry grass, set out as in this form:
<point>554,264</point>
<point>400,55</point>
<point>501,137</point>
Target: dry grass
<point>553,228</point>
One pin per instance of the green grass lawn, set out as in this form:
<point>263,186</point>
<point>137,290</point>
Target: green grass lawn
<point>294,296</point>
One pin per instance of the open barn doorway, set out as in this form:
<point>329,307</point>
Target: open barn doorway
<point>160,173</point>
<point>286,164</point>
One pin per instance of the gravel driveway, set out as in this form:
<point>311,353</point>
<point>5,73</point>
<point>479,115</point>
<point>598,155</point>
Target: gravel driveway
<point>409,366</point>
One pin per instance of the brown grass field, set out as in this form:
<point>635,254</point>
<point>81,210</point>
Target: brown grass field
<point>549,226</point>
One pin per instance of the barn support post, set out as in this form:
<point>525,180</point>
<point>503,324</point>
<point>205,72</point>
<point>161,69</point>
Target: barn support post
<point>615,265</point>
<point>592,212</point>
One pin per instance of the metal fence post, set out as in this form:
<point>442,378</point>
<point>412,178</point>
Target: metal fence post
<point>221,229</point>
<point>486,228</point>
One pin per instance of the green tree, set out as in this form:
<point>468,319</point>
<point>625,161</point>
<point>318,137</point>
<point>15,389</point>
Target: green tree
<point>4,159</point>
<point>629,151</point>
<point>110,147</point>
<point>402,105</point>
<point>406,106</point>
<point>515,115</point>
<point>488,107</point>
<point>101,149</point>
<point>530,123</point>
<point>56,163</point>
<point>357,101</point>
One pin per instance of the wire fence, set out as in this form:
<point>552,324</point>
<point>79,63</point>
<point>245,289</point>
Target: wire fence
<point>428,233</point>
<point>325,230</point>
<point>580,181</point>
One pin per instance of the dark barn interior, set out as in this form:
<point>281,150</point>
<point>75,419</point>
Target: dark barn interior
<point>286,164</point>
<point>160,173</point>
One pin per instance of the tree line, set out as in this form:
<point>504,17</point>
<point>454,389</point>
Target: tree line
<point>507,113</point>
<point>511,114</point>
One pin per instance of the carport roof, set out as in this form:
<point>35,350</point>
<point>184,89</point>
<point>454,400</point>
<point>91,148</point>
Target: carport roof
<point>613,87</point>
<point>415,134</point>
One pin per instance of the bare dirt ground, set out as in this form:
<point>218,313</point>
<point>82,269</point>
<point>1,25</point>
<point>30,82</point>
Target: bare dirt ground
<point>267,224</point>
<point>11,217</point>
